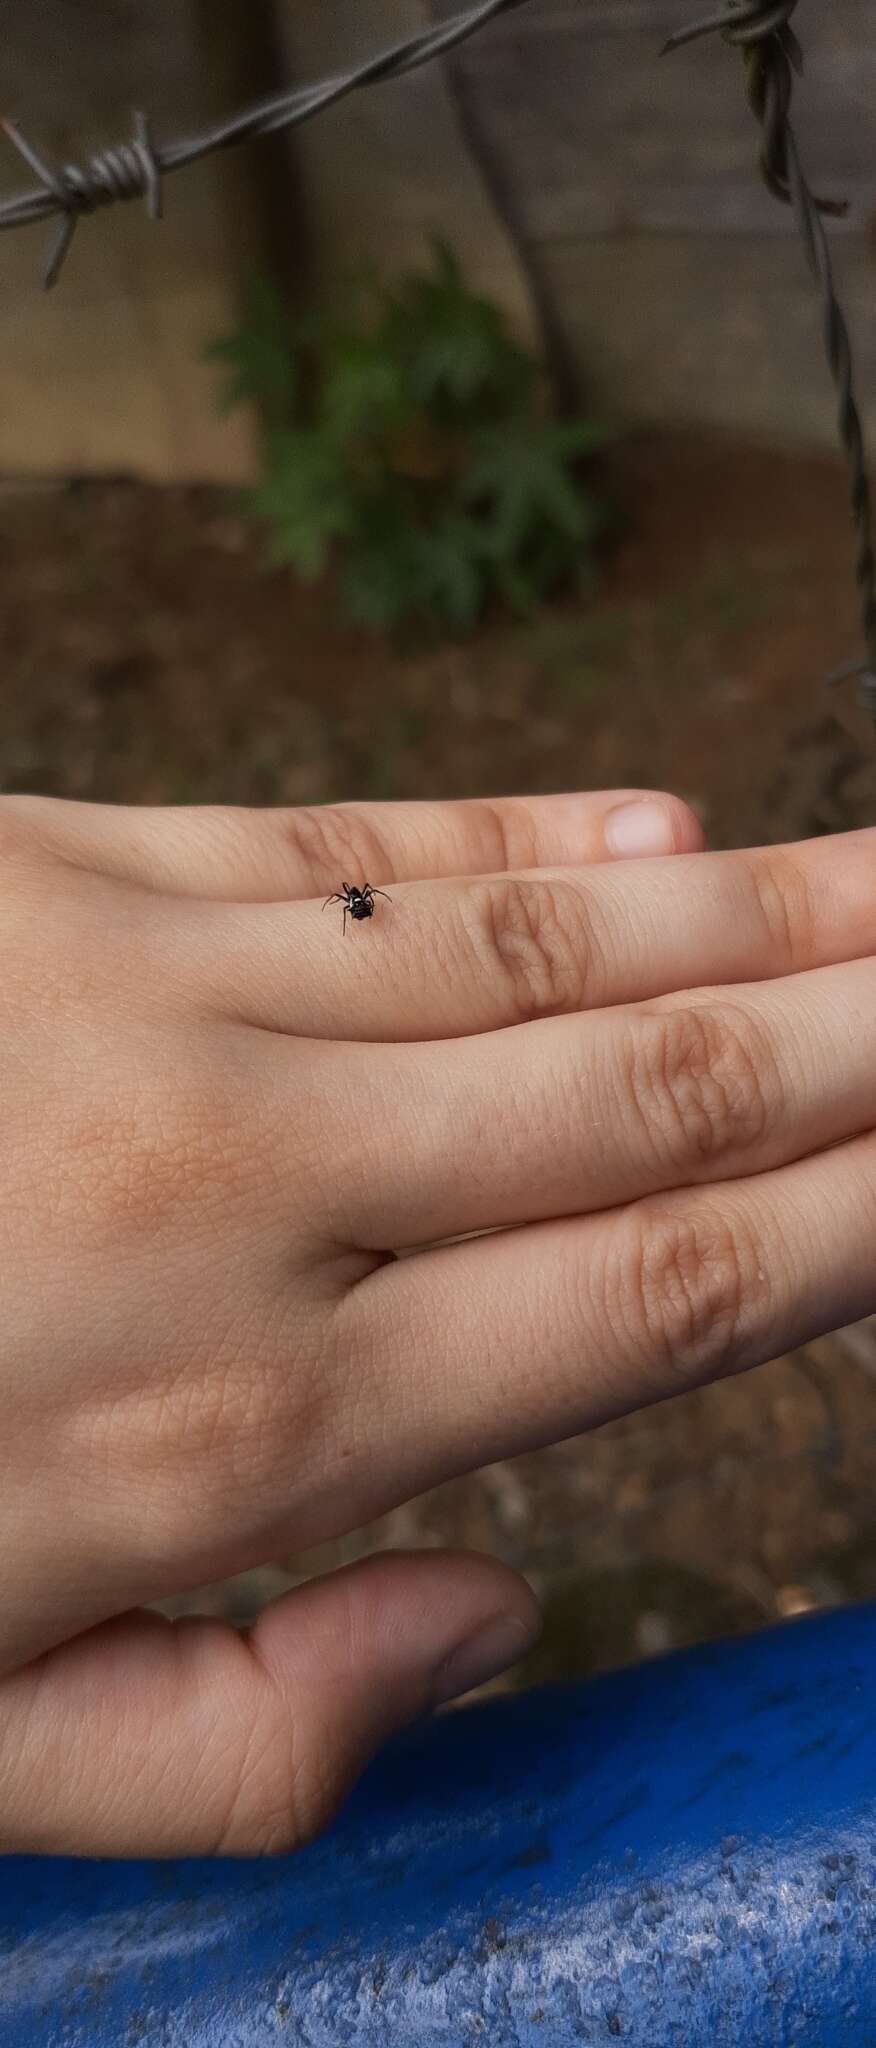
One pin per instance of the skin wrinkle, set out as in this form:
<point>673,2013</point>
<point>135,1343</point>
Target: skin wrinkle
<point>220,1369</point>
<point>516,837</point>
<point>310,1780</point>
<point>332,842</point>
<point>695,1086</point>
<point>517,928</point>
<point>248,1784</point>
<point>244,855</point>
<point>784,901</point>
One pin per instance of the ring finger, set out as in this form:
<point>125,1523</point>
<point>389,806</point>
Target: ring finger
<point>525,1338</point>
<point>580,1114</point>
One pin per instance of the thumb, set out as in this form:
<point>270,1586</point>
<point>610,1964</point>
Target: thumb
<point>154,1738</point>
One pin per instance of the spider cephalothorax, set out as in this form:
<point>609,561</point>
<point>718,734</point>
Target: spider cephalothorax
<point>358,903</point>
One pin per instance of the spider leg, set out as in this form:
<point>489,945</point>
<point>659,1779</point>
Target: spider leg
<point>332,899</point>
<point>382,892</point>
<point>346,915</point>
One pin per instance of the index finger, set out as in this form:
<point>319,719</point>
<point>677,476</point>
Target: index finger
<point>243,855</point>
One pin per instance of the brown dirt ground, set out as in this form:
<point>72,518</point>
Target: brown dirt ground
<point>146,657</point>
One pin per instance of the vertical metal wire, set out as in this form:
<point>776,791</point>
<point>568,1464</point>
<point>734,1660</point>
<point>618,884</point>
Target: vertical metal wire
<point>762,30</point>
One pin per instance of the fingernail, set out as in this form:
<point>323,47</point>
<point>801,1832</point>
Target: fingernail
<point>483,1656</point>
<point>634,831</point>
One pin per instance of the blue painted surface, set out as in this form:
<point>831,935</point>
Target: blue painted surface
<point>683,1854</point>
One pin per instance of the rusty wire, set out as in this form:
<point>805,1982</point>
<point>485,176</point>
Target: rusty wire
<point>761,29</point>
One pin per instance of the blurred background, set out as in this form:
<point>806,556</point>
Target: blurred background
<point>476,438</point>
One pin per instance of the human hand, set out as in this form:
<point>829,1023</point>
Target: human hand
<point>221,1118</point>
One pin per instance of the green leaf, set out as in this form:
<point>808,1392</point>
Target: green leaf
<point>399,570</point>
<point>363,392</point>
<point>517,584</point>
<point>407,442</point>
<point>305,499</point>
<point>454,345</point>
<point>381,581</point>
<point>452,571</point>
<point>521,476</point>
<point>259,358</point>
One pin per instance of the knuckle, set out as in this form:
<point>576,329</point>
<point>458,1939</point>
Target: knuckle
<point>513,830</point>
<point>215,1437</point>
<point>299,1760</point>
<point>268,1418</point>
<point>703,1083</point>
<point>309,1787</point>
<point>288,1785</point>
<point>255,1805</point>
<point>225,1424</point>
<point>536,938</point>
<point>683,1287</point>
<point>269,1410</point>
<point>336,840</point>
<point>785,907</point>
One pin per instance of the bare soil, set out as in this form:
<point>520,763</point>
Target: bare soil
<point>145,656</point>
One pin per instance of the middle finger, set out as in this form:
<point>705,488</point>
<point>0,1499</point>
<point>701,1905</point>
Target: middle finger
<point>451,958</point>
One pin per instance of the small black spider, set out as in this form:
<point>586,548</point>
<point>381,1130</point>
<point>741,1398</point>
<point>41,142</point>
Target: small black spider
<point>358,903</point>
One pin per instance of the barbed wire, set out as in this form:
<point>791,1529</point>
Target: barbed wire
<point>137,169</point>
<point>761,29</point>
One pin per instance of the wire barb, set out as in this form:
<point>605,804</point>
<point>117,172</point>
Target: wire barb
<point>136,169</point>
<point>762,30</point>
<point>132,171</point>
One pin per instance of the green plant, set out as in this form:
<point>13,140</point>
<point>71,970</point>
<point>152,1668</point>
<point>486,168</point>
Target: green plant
<point>415,449</point>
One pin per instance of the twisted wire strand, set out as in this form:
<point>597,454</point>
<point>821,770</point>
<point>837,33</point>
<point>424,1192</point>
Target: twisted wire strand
<point>131,171</point>
<point>137,169</point>
<point>762,30</point>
